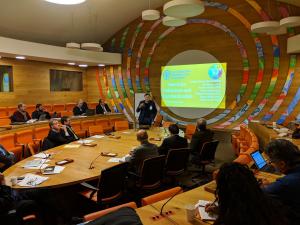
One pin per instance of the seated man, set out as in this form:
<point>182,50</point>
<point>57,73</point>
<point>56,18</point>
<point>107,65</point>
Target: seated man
<point>6,158</point>
<point>144,151</point>
<point>201,135</point>
<point>40,111</point>
<point>102,107</point>
<point>285,156</point>
<point>66,122</point>
<point>296,133</point>
<point>80,108</point>
<point>172,142</point>
<point>20,115</point>
<point>55,137</point>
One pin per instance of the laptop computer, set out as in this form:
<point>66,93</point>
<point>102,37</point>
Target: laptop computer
<point>90,112</point>
<point>261,163</point>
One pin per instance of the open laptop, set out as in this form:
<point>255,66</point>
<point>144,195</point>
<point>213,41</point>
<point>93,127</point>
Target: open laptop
<point>90,112</point>
<point>261,163</point>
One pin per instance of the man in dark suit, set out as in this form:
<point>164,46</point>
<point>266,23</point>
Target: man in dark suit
<point>201,135</point>
<point>172,142</point>
<point>102,107</point>
<point>71,135</point>
<point>80,108</point>
<point>147,110</point>
<point>39,111</point>
<point>20,115</point>
<point>145,151</point>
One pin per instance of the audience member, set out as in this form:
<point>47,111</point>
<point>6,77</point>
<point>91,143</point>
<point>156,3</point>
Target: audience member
<point>80,108</point>
<point>55,137</point>
<point>285,156</point>
<point>147,110</point>
<point>102,107</point>
<point>70,134</point>
<point>296,133</point>
<point>144,151</point>
<point>172,142</point>
<point>40,113</point>
<point>201,135</point>
<point>20,115</point>
<point>6,158</point>
<point>241,200</point>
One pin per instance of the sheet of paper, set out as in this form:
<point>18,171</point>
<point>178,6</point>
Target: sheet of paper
<point>42,155</point>
<point>57,169</point>
<point>36,163</point>
<point>85,141</point>
<point>72,146</point>
<point>36,167</point>
<point>31,180</point>
<point>114,160</point>
<point>126,132</point>
<point>97,136</point>
<point>204,215</point>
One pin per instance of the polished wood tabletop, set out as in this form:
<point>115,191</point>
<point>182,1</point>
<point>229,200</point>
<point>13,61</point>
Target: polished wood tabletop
<point>78,171</point>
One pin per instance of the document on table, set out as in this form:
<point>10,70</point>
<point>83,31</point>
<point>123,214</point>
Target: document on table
<point>72,146</point>
<point>203,214</point>
<point>84,141</point>
<point>42,155</point>
<point>57,169</point>
<point>31,180</point>
<point>97,136</point>
<point>36,164</point>
<point>116,160</point>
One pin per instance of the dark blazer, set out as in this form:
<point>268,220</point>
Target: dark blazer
<point>79,111</point>
<point>99,109</point>
<point>172,142</point>
<point>57,138</point>
<point>72,135</point>
<point>18,117</point>
<point>37,113</point>
<point>296,134</point>
<point>199,138</point>
<point>147,113</point>
<point>6,159</point>
<point>139,154</point>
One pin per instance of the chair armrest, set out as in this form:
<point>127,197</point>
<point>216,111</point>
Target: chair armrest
<point>19,144</point>
<point>89,186</point>
<point>134,174</point>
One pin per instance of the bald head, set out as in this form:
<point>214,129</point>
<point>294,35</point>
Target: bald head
<point>201,124</point>
<point>142,135</point>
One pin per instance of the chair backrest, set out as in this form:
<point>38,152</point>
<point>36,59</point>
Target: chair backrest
<point>208,151</point>
<point>24,137</point>
<point>112,183</point>
<point>58,107</point>
<point>152,172</point>
<point>157,120</point>
<point>176,161</point>
<point>104,123</point>
<point>66,113</point>
<point>5,122</point>
<point>95,215</point>
<point>30,109</point>
<point>11,110</point>
<point>92,105</point>
<point>70,106</point>
<point>8,141</point>
<point>166,124</point>
<point>76,126</point>
<point>86,124</point>
<point>48,107</point>
<point>190,130</point>
<point>161,196</point>
<point>3,111</point>
<point>121,125</point>
<point>94,130</point>
<point>41,132</point>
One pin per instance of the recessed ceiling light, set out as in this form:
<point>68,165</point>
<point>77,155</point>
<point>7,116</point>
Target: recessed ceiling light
<point>71,63</point>
<point>66,2</point>
<point>101,65</point>
<point>20,57</point>
<point>83,65</point>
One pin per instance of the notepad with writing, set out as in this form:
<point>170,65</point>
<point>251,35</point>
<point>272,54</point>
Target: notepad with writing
<point>203,214</point>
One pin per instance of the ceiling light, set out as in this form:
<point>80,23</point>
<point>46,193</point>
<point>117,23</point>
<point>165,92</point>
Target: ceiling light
<point>150,14</point>
<point>101,65</point>
<point>173,22</point>
<point>66,2</point>
<point>20,57</point>
<point>91,47</point>
<point>292,21</point>
<point>265,26</point>
<point>278,31</point>
<point>83,65</point>
<point>184,8</point>
<point>73,45</point>
<point>71,63</point>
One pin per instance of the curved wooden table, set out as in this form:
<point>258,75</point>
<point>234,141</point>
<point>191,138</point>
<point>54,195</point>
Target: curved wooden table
<point>78,171</point>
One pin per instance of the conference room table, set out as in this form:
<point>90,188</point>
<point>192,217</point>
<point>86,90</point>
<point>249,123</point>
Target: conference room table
<point>79,171</point>
<point>176,207</point>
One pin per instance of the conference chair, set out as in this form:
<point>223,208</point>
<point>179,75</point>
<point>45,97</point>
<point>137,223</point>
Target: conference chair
<point>157,120</point>
<point>58,107</point>
<point>70,107</point>
<point>86,124</point>
<point>48,107</point>
<point>96,215</point>
<point>30,109</point>
<point>76,126</point>
<point>11,110</point>
<point>176,162</point>
<point>25,138</point>
<point>5,122</point>
<point>92,105</point>
<point>105,124</point>
<point>40,134</point>
<point>3,111</point>
<point>66,113</point>
<point>161,196</point>
<point>9,143</point>
<point>189,131</point>
<point>95,130</point>
<point>111,186</point>
<point>166,124</point>
<point>121,125</point>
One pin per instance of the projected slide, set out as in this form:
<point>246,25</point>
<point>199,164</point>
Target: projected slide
<point>194,86</point>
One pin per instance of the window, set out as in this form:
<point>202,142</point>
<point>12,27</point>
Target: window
<point>62,80</point>
<point>6,79</point>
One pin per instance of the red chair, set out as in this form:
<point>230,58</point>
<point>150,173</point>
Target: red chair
<point>58,107</point>
<point>92,105</point>
<point>76,126</point>
<point>121,125</point>
<point>166,124</point>
<point>25,138</point>
<point>86,124</point>
<point>95,130</point>
<point>66,113</point>
<point>5,122</point>
<point>48,107</point>
<point>9,143</point>
<point>190,130</point>
<point>11,110</point>
<point>70,107</point>
<point>3,111</point>
<point>105,124</point>
<point>30,109</point>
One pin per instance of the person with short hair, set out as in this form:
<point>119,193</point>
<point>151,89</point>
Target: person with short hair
<point>172,142</point>
<point>80,108</point>
<point>40,111</point>
<point>66,122</point>
<point>20,115</point>
<point>144,151</point>
<point>285,156</point>
<point>102,107</point>
<point>147,110</point>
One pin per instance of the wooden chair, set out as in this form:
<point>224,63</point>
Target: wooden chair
<point>161,196</point>
<point>105,124</point>
<point>66,113</point>
<point>70,107</point>
<point>95,130</point>
<point>11,110</point>
<point>25,138</point>
<point>5,122</point>
<point>9,143</point>
<point>58,107</point>
<point>76,126</point>
<point>92,105</point>
<point>86,124</point>
<point>30,109</point>
<point>121,125</point>
<point>157,120</point>
<point>190,130</point>
<point>48,107</point>
<point>3,111</point>
<point>96,215</point>
<point>40,133</point>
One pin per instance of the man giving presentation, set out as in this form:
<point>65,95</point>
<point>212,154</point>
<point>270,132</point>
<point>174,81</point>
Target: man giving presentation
<point>147,110</point>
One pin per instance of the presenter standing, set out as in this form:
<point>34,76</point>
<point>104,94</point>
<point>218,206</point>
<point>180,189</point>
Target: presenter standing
<point>147,110</point>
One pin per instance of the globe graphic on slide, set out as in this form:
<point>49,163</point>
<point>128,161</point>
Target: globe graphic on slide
<point>215,72</point>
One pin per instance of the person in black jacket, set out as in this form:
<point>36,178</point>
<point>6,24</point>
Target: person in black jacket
<point>80,108</point>
<point>102,107</point>
<point>6,158</point>
<point>39,111</point>
<point>20,115</point>
<point>71,135</point>
<point>172,142</point>
<point>147,110</point>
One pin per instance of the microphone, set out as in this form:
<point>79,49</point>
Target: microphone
<point>91,165</point>
<point>162,208</point>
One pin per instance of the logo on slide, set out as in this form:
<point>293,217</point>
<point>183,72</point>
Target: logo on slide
<point>215,71</point>
<point>167,74</point>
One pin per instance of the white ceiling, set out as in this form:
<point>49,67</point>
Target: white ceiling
<point>44,22</point>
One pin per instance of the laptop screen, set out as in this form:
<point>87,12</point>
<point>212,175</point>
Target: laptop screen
<point>258,159</point>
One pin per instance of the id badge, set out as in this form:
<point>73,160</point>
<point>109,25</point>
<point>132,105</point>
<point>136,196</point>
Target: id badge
<point>150,107</point>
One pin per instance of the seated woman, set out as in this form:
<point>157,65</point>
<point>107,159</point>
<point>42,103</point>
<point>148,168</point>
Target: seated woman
<point>241,201</point>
